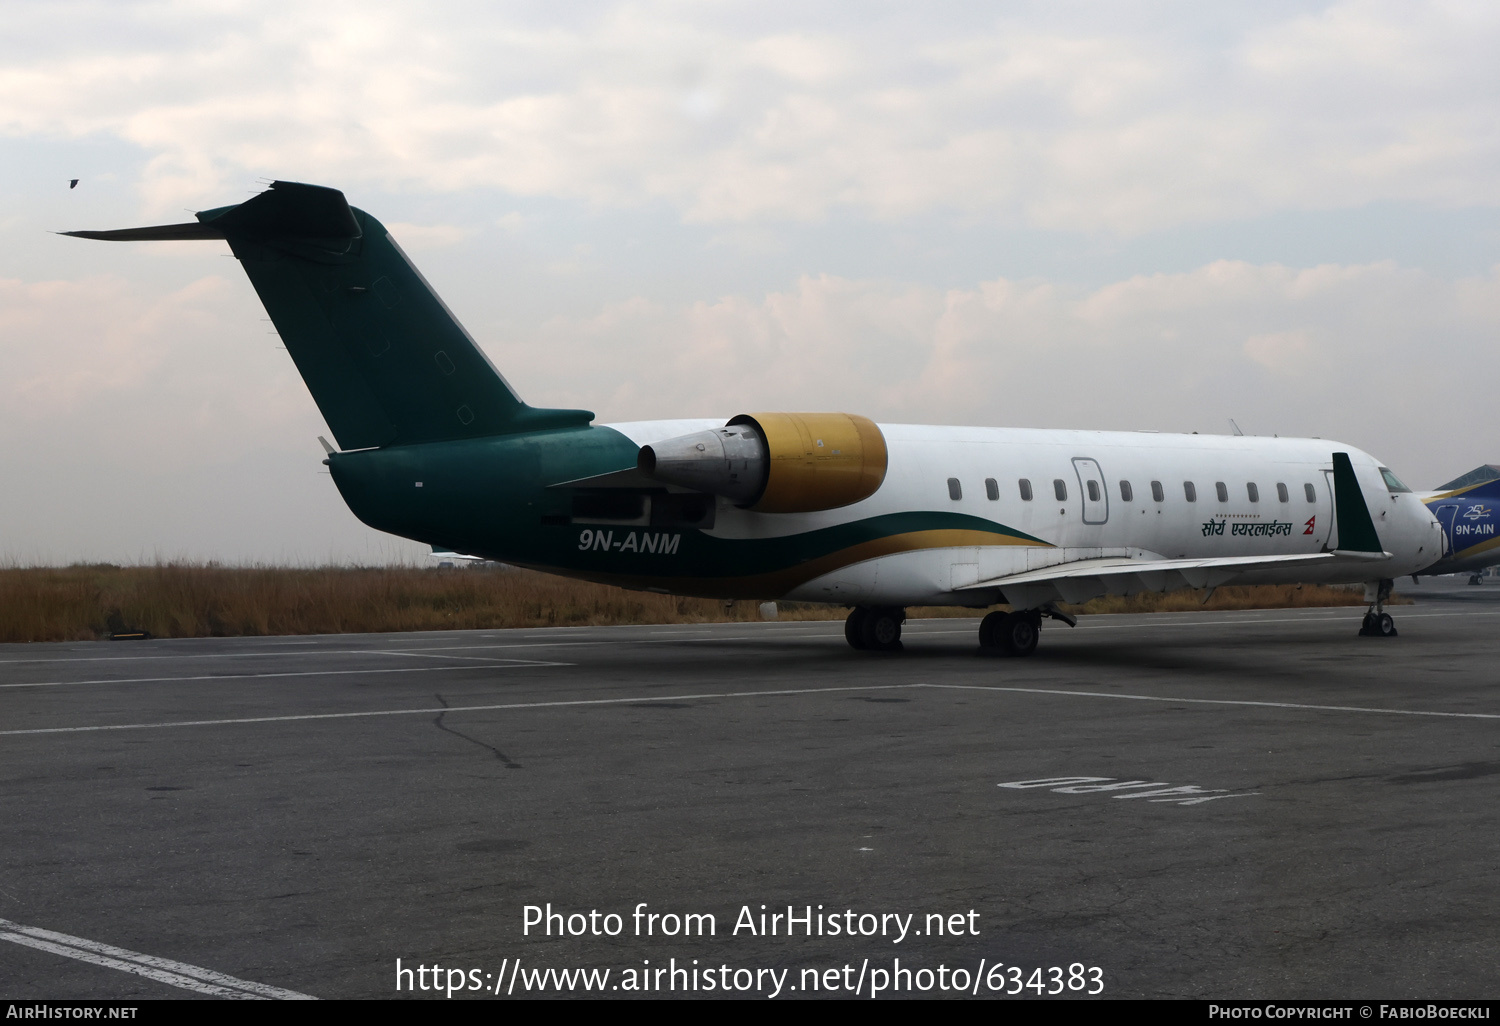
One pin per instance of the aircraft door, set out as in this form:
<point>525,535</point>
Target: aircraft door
<point>1445,515</point>
<point>1322,524</point>
<point>1092,490</point>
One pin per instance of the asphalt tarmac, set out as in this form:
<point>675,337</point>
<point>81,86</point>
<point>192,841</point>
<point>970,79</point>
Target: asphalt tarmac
<point>1254,805</point>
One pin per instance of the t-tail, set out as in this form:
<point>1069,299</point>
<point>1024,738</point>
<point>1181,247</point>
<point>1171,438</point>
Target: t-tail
<point>386,361</point>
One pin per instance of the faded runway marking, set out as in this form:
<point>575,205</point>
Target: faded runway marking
<point>582,702</point>
<point>162,970</point>
<point>452,709</point>
<point>508,664</point>
<point>1220,701</point>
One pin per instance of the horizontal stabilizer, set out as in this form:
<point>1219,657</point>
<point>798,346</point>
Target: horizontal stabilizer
<point>287,212</point>
<point>290,212</point>
<point>155,233</point>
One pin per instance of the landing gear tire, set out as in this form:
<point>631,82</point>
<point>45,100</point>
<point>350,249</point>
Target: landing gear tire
<point>874,630</point>
<point>1012,634</point>
<point>989,631</point>
<point>1019,632</point>
<point>854,627</point>
<point>1377,622</point>
<point>882,629</point>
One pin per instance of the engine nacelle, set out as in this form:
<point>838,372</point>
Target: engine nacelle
<point>776,462</point>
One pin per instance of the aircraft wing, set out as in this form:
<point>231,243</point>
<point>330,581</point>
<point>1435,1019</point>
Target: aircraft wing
<point>1082,579</point>
<point>448,555</point>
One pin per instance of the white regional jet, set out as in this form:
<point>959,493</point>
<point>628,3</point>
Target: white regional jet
<point>823,507</point>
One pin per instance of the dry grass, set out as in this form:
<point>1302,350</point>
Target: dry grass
<point>176,600</point>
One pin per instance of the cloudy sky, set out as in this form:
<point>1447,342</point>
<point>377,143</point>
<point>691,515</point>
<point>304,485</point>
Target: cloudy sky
<point>1146,215</point>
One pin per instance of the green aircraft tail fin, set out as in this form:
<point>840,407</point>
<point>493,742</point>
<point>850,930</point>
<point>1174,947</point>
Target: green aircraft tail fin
<point>386,361</point>
<point>1356,529</point>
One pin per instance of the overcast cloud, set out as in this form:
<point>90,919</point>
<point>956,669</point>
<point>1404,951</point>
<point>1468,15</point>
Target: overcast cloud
<point>1150,216</point>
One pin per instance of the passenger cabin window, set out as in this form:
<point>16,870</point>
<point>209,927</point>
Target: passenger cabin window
<point>1252,490</point>
<point>1223,490</point>
<point>955,490</point>
<point>1392,482</point>
<point>1312,496</point>
<point>992,488</point>
<point>1060,489</point>
<point>1157,494</point>
<point>1282,495</point>
<point>1025,489</point>
<point>1190,491</point>
<point>1126,495</point>
<point>1093,490</point>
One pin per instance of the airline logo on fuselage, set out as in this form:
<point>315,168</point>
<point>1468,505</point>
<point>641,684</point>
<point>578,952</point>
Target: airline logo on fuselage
<point>1480,526</point>
<point>660,543</point>
<point>1257,530</point>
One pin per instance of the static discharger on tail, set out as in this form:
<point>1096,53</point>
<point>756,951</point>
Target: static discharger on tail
<point>434,445</point>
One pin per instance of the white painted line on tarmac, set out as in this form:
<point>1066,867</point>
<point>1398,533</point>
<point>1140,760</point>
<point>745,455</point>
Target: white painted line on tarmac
<point>363,651</point>
<point>443,655</point>
<point>1219,701</point>
<point>1092,622</point>
<point>1253,621</point>
<point>1091,625</point>
<point>508,664</point>
<point>589,644</point>
<point>174,656</point>
<point>162,970</point>
<point>923,633</point>
<point>637,700</point>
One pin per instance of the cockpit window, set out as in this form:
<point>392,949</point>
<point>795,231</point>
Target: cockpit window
<point>1392,482</point>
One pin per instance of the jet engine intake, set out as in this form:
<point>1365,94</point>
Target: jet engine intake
<point>776,462</point>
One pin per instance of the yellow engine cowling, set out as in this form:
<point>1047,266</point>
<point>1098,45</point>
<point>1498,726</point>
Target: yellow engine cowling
<point>817,461</point>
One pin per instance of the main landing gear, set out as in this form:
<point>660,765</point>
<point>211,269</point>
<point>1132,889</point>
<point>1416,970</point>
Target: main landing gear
<point>877,629</point>
<point>1017,633</point>
<point>1378,623</point>
<point>1011,633</point>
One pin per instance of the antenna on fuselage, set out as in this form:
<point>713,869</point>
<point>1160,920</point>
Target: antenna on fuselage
<point>1235,427</point>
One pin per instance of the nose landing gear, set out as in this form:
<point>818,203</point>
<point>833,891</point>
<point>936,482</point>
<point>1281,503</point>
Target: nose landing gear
<point>1377,622</point>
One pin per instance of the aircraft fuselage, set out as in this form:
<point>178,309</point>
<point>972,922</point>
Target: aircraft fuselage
<point>919,539</point>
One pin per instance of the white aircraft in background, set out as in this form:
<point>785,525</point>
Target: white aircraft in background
<point>823,507</point>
